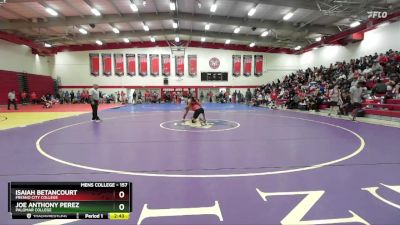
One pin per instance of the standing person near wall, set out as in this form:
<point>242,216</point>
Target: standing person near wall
<point>334,99</point>
<point>356,99</point>
<point>94,102</point>
<point>248,96</point>
<point>12,100</point>
<point>24,98</point>
<point>33,97</point>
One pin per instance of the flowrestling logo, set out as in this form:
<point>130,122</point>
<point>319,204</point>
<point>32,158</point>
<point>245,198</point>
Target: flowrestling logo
<point>377,14</point>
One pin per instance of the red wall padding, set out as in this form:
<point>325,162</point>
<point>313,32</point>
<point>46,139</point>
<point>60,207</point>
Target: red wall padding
<point>42,85</point>
<point>8,81</point>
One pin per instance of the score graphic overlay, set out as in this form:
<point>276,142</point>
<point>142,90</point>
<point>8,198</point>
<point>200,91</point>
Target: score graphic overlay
<point>70,200</point>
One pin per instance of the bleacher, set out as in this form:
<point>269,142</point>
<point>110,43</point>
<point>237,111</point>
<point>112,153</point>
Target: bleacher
<point>390,108</point>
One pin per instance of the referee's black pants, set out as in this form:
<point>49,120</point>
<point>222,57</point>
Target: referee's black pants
<point>12,102</point>
<point>95,107</point>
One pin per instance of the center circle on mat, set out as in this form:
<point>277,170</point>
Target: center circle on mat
<point>179,174</point>
<point>198,126</point>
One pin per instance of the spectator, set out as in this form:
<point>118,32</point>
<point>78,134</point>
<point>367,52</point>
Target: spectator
<point>24,98</point>
<point>380,88</point>
<point>34,98</point>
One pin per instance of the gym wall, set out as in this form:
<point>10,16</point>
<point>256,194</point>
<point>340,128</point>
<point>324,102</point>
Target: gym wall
<point>378,40</point>
<point>73,68</point>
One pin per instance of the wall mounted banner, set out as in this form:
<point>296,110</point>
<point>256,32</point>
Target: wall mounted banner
<point>236,65</point>
<point>94,64</point>
<point>106,59</point>
<point>179,65</point>
<point>192,61</point>
<point>247,65</point>
<point>131,64</point>
<point>119,64</point>
<point>142,58</point>
<point>258,65</point>
<point>154,65</point>
<point>166,65</point>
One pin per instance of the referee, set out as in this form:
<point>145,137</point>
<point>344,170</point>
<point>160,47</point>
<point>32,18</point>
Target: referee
<point>12,100</point>
<point>94,102</point>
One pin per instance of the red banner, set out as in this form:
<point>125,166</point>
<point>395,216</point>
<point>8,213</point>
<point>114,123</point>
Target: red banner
<point>192,61</point>
<point>131,64</point>
<point>258,65</point>
<point>247,65</point>
<point>154,65</point>
<point>94,64</point>
<point>236,65</point>
<point>119,64</point>
<point>179,65</point>
<point>106,59</point>
<point>142,58</point>
<point>166,65</point>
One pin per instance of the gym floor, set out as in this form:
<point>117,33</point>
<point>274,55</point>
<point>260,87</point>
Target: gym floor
<point>245,166</point>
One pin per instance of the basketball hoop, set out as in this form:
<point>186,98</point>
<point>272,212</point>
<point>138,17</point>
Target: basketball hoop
<point>178,48</point>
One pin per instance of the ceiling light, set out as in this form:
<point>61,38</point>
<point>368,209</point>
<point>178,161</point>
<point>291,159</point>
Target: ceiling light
<point>172,6</point>
<point>99,42</point>
<point>252,44</point>
<point>264,34</point>
<point>203,39</point>
<point>176,39</point>
<point>174,25</point>
<point>134,7</point>
<point>51,11</point>
<point>297,48</point>
<point>237,30</point>
<point>288,16</point>
<point>95,12</point>
<point>126,40</point>
<point>115,30</point>
<point>213,8</point>
<point>198,4</point>
<point>144,2</point>
<point>227,42</point>
<point>152,39</point>
<point>83,31</point>
<point>251,12</point>
<point>318,39</point>
<point>207,26</point>
<point>355,24</point>
<point>47,45</point>
<point>146,28</point>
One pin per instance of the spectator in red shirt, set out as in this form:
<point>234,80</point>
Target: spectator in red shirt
<point>383,59</point>
<point>34,98</point>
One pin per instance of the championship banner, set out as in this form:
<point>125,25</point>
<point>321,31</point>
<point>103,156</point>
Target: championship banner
<point>154,65</point>
<point>106,59</point>
<point>119,64</point>
<point>179,65</point>
<point>94,64</point>
<point>192,61</point>
<point>142,58</point>
<point>236,65</point>
<point>131,64</point>
<point>247,65</point>
<point>166,65</point>
<point>258,65</point>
